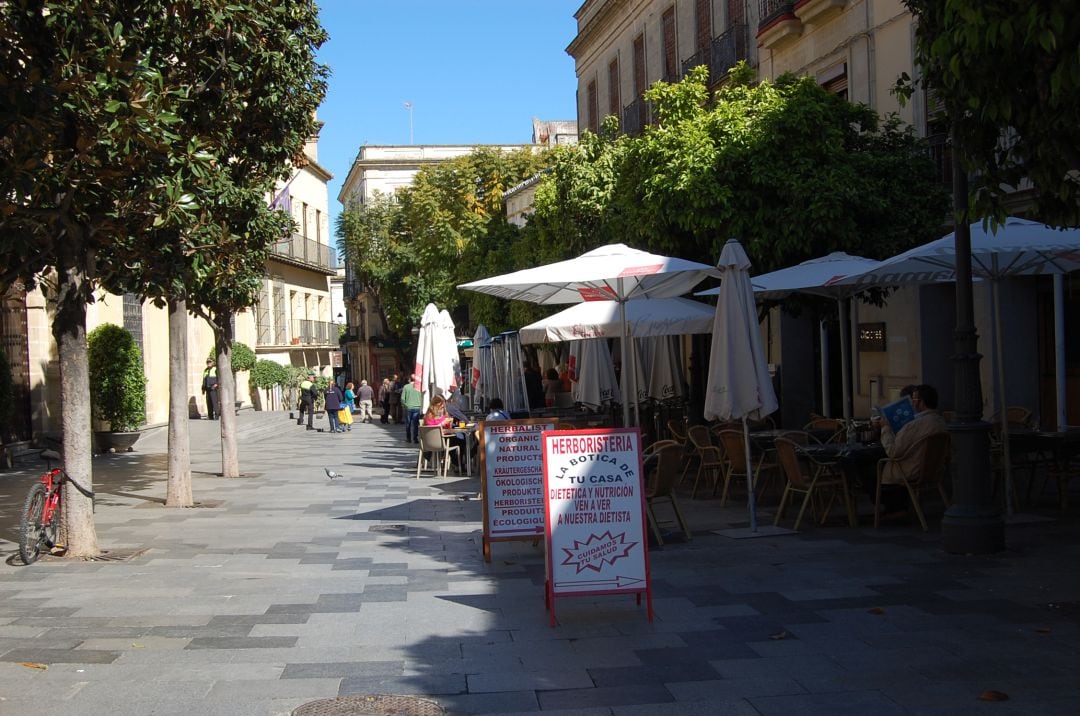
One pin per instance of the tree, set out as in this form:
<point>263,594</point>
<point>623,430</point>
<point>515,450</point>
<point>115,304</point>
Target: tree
<point>122,122</point>
<point>1008,76</point>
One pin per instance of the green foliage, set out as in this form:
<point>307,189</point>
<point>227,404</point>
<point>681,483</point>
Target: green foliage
<point>243,358</point>
<point>448,227</point>
<point>7,396</point>
<point>266,374</point>
<point>792,170</point>
<point>117,379</point>
<point>1008,74</point>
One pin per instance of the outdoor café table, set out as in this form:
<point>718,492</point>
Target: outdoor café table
<point>468,434</point>
<point>858,461</point>
<point>1053,449</point>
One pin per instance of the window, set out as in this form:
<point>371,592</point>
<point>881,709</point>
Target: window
<point>640,80</point>
<point>670,48</point>
<point>835,80</point>
<point>702,25</point>
<point>592,109</point>
<point>613,87</point>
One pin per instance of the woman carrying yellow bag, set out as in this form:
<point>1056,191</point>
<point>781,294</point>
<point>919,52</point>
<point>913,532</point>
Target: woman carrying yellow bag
<point>345,413</point>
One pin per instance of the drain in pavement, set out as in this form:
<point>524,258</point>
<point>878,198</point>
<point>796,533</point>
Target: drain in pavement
<point>370,705</point>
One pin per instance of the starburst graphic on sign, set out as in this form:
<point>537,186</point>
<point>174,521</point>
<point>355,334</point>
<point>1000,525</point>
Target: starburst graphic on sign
<point>598,549</point>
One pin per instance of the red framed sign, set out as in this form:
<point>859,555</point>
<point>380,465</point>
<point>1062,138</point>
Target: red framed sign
<point>595,515</point>
<point>511,467</point>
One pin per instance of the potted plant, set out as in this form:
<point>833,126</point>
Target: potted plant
<point>117,386</point>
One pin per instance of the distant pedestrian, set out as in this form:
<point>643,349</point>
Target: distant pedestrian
<point>345,415</point>
<point>384,400</point>
<point>332,401</point>
<point>365,396</point>
<point>395,398</point>
<point>307,400</point>
<point>411,401</point>
<point>210,387</point>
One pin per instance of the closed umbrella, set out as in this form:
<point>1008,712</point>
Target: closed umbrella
<point>592,374</point>
<point>482,368</point>
<point>437,364</point>
<point>739,386</point>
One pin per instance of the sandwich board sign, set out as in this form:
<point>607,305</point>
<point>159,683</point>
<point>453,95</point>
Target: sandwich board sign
<point>595,515</point>
<point>511,468</point>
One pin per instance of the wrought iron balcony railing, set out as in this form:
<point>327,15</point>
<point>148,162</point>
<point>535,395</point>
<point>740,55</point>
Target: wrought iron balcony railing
<point>769,10</point>
<point>721,54</point>
<point>304,250</point>
<point>635,117</point>
<point>308,333</point>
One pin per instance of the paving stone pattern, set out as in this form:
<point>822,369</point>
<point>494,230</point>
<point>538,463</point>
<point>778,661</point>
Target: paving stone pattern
<point>287,587</point>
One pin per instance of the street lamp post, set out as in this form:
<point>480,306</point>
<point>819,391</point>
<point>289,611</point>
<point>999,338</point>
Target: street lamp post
<point>408,106</point>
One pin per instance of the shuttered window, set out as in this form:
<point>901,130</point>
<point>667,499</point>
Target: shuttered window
<point>671,45</point>
<point>613,88</point>
<point>593,122</point>
<point>702,25</point>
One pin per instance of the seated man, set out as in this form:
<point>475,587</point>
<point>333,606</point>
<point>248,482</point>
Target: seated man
<point>927,421</point>
<point>495,410</point>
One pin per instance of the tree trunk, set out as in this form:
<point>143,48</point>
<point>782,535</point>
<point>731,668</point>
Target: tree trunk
<point>69,329</point>
<point>230,461</point>
<point>178,488</point>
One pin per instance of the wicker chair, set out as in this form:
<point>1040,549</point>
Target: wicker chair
<point>666,457</point>
<point>809,478</point>
<point>926,460</point>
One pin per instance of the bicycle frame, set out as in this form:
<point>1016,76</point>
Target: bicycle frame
<point>52,480</point>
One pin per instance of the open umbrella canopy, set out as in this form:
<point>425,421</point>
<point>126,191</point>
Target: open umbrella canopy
<point>1017,248</point>
<point>816,276</point>
<point>614,272</point>
<point>602,319</point>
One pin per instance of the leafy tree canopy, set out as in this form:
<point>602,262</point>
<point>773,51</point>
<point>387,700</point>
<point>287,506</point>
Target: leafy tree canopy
<point>1008,75</point>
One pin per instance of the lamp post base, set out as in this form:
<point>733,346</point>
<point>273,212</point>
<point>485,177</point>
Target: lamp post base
<point>972,529</point>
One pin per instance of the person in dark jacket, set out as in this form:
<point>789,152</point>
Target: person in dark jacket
<point>534,387</point>
<point>307,400</point>
<point>333,399</point>
<point>210,387</point>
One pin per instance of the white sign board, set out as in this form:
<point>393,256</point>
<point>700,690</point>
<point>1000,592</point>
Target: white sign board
<point>595,510</point>
<point>513,483</point>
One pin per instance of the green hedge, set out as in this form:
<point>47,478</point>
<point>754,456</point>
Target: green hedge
<point>266,374</point>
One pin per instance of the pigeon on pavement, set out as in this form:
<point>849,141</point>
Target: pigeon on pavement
<point>331,474</point>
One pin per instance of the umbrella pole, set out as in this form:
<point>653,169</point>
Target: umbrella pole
<point>826,402</point>
<point>845,359</point>
<point>622,350</point>
<point>749,476</point>
<point>1059,350</point>
<point>1003,413</point>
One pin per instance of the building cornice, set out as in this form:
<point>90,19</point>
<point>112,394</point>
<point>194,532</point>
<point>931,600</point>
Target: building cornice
<point>591,28</point>
<point>318,170</point>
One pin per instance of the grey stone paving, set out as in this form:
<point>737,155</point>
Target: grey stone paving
<point>285,587</point>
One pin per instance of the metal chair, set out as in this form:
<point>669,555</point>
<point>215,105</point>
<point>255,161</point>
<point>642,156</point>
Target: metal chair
<point>666,457</point>
<point>834,426</point>
<point>922,466</point>
<point>710,458</point>
<point>806,476</point>
<point>739,463</point>
<point>433,443</point>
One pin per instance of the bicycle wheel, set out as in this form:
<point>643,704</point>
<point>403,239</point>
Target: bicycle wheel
<point>31,531</point>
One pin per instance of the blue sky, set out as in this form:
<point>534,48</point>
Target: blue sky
<point>475,71</point>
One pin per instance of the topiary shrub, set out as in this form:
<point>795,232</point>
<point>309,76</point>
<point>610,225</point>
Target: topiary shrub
<point>117,378</point>
<point>266,374</point>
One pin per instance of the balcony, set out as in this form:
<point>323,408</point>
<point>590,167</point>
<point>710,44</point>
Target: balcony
<point>304,252</point>
<point>818,11</point>
<point>722,54</point>
<point>635,117</point>
<point>353,289</point>
<point>312,333</point>
<point>779,26</point>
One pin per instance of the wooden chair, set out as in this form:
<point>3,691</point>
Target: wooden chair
<point>433,444</point>
<point>806,476</point>
<point>926,461</point>
<point>835,426</point>
<point>665,457</point>
<point>739,463</point>
<point>710,458</point>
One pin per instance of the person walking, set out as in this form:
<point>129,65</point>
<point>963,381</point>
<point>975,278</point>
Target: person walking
<point>307,400</point>
<point>384,400</point>
<point>349,406</point>
<point>411,402</point>
<point>365,396</point>
<point>395,399</point>
<point>210,387</point>
<point>332,401</point>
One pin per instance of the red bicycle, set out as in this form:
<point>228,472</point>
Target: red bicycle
<point>40,525</point>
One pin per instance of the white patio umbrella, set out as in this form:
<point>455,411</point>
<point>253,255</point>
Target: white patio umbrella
<point>448,347</point>
<point>509,372</point>
<point>603,319</point>
<point>819,277</point>
<point>657,369</point>
<point>592,374</point>
<point>436,362</point>
<point>739,386</point>
<point>614,272</point>
<point>1017,248</point>
<point>482,368</point>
